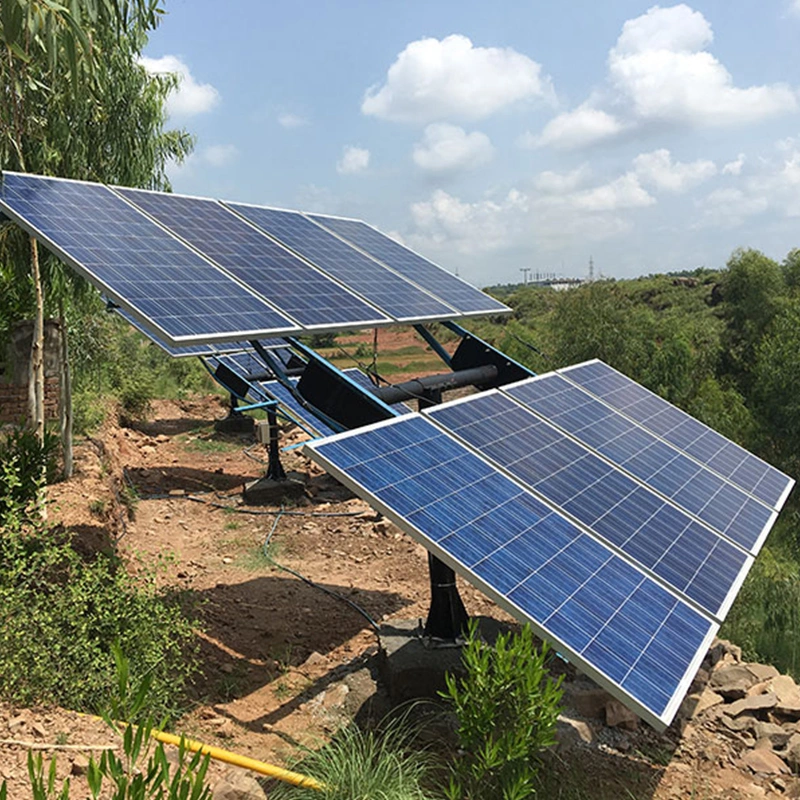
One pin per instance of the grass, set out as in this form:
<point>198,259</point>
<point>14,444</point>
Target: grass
<point>210,446</point>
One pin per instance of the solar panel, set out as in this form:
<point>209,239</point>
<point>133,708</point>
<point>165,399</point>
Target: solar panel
<point>299,290</point>
<point>391,293</point>
<point>689,484</point>
<point>702,443</point>
<point>166,285</point>
<point>459,294</point>
<point>198,349</point>
<point>694,560</point>
<point>620,626</point>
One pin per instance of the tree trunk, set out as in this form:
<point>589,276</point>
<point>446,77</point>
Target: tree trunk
<point>65,405</point>
<point>37,346</point>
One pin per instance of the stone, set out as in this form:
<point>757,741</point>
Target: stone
<point>745,722</point>
<point>238,785</point>
<point>756,703</point>
<point>80,765</point>
<point>762,672</point>
<point>587,700</point>
<point>732,681</point>
<point>708,699</point>
<point>226,729</point>
<point>765,761</point>
<point>792,753</point>
<point>618,716</point>
<point>722,649</point>
<point>777,735</point>
<point>316,660</point>
<point>700,680</point>
<point>572,732</point>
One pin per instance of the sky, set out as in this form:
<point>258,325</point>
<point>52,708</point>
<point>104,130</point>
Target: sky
<point>500,137</point>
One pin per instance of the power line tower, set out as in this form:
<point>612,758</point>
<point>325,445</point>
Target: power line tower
<point>591,269</point>
<point>525,272</point>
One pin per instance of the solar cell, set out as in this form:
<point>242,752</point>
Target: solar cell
<point>399,298</point>
<point>298,289</point>
<point>457,293</point>
<point>705,445</point>
<point>620,626</point>
<point>692,559</point>
<point>689,484</point>
<point>149,272</point>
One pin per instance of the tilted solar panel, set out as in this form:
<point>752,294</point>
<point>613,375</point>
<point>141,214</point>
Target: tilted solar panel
<point>459,294</point>
<point>691,558</point>
<point>620,626</point>
<point>383,288</point>
<point>297,289</point>
<point>705,445</point>
<point>164,284</point>
<point>687,483</point>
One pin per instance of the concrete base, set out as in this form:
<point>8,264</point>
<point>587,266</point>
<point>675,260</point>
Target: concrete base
<point>413,667</point>
<point>235,423</point>
<point>267,492</point>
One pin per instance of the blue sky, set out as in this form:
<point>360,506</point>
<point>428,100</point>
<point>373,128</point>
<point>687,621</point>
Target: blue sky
<point>493,137</point>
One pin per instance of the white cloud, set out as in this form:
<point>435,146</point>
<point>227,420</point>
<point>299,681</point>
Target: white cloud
<point>432,80</point>
<point>353,160</point>
<point>573,129</point>
<point>448,148</point>
<point>559,183</point>
<point>624,192</point>
<point>660,67</point>
<point>659,170</point>
<point>729,208</point>
<point>795,7</point>
<point>660,72</point>
<point>190,97</point>
<point>289,120</point>
<point>735,167</point>
<point>218,155</point>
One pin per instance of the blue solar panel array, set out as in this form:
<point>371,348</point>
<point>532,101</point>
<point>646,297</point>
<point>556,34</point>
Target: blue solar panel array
<point>687,483</point>
<point>705,445</point>
<point>688,556</point>
<point>387,290</point>
<point>618,624</point>
<point>152,274</point>
<point>459,294</point>
<point>299,290</point>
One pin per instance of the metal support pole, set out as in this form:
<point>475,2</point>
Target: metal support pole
<point>447,617</point>
<point>275,469</point>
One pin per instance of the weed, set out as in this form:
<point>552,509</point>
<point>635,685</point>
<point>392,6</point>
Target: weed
<point>232,526</point>
<point>98,507</point>
<point>62,737</point>
<point>211,446</point>
<point>282,690</point>
<point>360,764</point>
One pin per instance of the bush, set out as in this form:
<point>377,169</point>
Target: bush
<point>24,463</point>
<point>507,706</point>
<point>59,616</point>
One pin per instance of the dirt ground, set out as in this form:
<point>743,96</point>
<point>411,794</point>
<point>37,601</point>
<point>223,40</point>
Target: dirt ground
<point>283,662</point>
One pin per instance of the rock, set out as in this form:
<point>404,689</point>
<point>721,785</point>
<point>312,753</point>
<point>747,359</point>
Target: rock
<point>80,765</point>
<point>762,672</point>
<point>755,703</point>
<point>724,650</point>
<point>745,722</point>
<point>792,753</point>
<point>775,733</point>
<point>765,761</point>
<point>618,716</point>
<point>238,785</point>
<point>39,729</point>
<point>571,732</point>
<point>334,696</point>
<point>316,660</point>
<point>586,700</point>
<point>700,680</point>
<point>226,729</point>
<point>708,699</point>
<point>763,744</point>
<point>732,681</point>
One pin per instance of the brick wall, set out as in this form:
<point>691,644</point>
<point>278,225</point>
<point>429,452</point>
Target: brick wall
<point>14,373</point>
<point>14,401</point>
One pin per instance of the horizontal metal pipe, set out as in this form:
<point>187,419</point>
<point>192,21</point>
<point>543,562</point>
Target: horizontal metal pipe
<point>475,376</point>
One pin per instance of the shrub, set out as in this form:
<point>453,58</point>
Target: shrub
<point>507,706</point>
<point>23,465</point>
<point>59,616</point>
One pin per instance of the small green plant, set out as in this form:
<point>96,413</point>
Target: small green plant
<point>507,706</point>
<point>130,779</point>
<point>25,463</point>
<point>97,507</point>
<point>365,765</point>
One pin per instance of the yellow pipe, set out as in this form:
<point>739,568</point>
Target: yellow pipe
<point>219,754</point>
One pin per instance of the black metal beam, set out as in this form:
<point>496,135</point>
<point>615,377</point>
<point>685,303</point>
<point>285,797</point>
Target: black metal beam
<point>418,387</point>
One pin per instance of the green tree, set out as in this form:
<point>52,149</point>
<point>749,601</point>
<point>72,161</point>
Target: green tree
<point>81,106</point>
<point>791,269</point>
<point>753,291</point>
